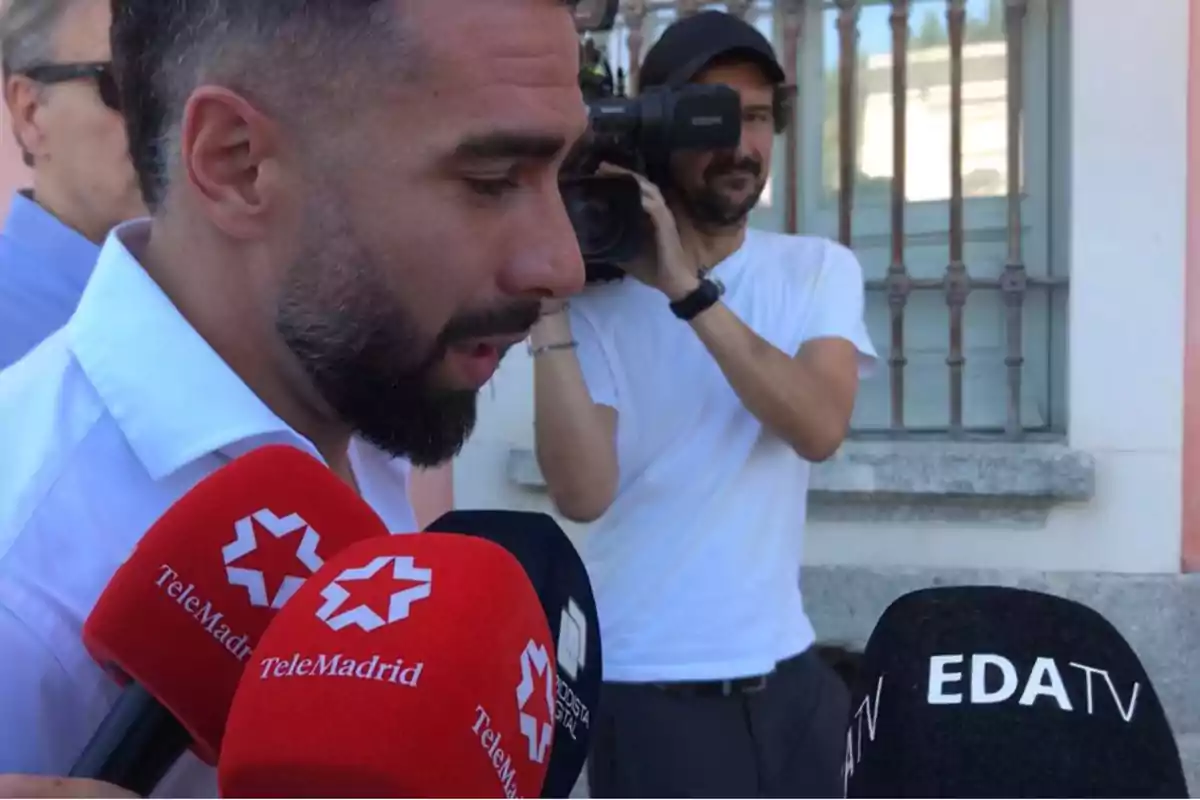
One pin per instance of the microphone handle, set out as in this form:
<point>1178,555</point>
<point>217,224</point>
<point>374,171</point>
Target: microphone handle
<point>135,745</point>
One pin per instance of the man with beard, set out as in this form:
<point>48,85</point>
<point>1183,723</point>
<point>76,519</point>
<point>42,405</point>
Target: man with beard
<point>681,407</point>
<point>354,214</point>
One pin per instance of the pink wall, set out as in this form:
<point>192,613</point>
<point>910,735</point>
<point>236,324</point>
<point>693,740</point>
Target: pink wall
<point>432,492</point>
<point>1191,352</point>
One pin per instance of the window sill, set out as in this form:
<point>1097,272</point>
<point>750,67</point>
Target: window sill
<point>926,481</point>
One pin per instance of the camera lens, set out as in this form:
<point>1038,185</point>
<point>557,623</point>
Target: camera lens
<point>598,225</point>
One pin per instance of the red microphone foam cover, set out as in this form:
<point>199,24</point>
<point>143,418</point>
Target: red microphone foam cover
<point>182,614</point>
<point>416,666</point>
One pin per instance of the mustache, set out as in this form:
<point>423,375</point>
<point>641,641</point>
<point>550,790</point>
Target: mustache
<point>515,318</point>
<point>726,166</point>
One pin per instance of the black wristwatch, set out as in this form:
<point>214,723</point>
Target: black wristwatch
<point>702,298</point>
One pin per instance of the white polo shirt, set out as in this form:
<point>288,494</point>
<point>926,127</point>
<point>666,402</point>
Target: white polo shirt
<point>105,425</point>
<point>696,565</point>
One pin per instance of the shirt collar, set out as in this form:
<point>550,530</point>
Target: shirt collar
<point>173,397</point>
<point>55,244</point>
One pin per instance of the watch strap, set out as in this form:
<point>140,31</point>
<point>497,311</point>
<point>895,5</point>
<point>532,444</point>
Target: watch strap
<point>700,299</point>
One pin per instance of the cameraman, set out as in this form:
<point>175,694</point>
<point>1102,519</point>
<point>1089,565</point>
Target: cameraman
<point>682,407</point>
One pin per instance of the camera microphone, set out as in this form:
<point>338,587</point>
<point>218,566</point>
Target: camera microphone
<point>662,121</point>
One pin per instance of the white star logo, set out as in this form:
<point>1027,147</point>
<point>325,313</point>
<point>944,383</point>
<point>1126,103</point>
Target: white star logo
<point>252,579</point>
<point>535,665</point>
<point>403,569</point>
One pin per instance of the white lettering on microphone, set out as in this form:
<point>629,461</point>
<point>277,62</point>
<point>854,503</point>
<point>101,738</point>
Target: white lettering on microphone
<point>1126,713</point>
<point>339,666</point>
<point>995,679</point>
<point>868,712</point>
<point>501,760</point>
<point>570,711</point>
<point>202,611</point>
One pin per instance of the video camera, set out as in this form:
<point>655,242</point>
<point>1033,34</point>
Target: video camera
<point>639,133</point>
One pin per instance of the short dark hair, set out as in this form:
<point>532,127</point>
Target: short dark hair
<point>277,52</point>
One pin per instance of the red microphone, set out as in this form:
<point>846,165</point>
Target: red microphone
<point>179,619</point>
<point>418,665</point>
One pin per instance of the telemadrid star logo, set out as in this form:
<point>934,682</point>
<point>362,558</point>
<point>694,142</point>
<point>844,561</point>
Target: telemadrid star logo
<point>252,580</point>
<point>399,604</point>
<point>535,669</point>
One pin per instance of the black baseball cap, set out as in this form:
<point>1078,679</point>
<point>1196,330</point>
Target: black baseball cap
<point>690,44</point>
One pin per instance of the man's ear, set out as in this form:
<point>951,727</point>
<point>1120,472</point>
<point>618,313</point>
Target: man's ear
<point>23,97</point>
<point>230,153</point>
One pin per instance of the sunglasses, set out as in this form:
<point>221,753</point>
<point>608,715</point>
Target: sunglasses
<point>98,71</point>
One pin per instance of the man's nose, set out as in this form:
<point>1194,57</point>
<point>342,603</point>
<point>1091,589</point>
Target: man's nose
<point>547,261</point>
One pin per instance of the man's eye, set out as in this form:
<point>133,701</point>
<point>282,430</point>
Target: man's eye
<point>491,187</point>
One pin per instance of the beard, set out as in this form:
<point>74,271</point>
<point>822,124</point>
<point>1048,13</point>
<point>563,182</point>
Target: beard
<point>364,352</point>
<point>711,207</point>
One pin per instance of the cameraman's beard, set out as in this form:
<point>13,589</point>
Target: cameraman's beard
<point>710,207</point>
<point>363,351</point>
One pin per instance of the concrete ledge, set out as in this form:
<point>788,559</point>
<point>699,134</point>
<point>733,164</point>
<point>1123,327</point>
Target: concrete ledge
<point>940,481</point>
<point>939,470</point>
<point>926,480</point>
<point>1189,752</point>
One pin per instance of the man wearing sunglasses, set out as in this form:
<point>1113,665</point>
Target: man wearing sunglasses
<point>64,110</point>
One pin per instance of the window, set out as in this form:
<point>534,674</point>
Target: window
<point>1008,339</point>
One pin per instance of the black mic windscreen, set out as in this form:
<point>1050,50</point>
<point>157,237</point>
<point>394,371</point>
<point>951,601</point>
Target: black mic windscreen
<point>561,581</point>
<point>996,692</point>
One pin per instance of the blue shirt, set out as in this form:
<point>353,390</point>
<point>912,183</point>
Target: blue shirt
<point>44,265</point>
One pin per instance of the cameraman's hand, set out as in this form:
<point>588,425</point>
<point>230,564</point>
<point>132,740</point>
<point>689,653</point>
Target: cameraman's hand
<point>674,272</point>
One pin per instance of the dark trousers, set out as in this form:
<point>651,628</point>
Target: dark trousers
<point>785,739</point>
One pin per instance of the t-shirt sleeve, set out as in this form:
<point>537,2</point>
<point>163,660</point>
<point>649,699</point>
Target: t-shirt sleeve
<point>839,304</point>
<point>594,361</point>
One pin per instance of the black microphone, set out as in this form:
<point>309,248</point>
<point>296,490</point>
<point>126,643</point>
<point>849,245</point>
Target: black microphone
<point>561,581</point>
<point>136,744</point>
<point>980,691</point>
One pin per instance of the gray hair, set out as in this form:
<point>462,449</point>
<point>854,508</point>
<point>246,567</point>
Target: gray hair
<point>27,29</point>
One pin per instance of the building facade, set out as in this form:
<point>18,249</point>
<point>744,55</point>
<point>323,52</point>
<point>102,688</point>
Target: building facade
<point>1021,181</point>
<point>1020,174</point>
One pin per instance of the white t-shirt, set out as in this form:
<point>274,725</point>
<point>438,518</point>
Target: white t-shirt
<point>696,565</point>
<point>105,425</point>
